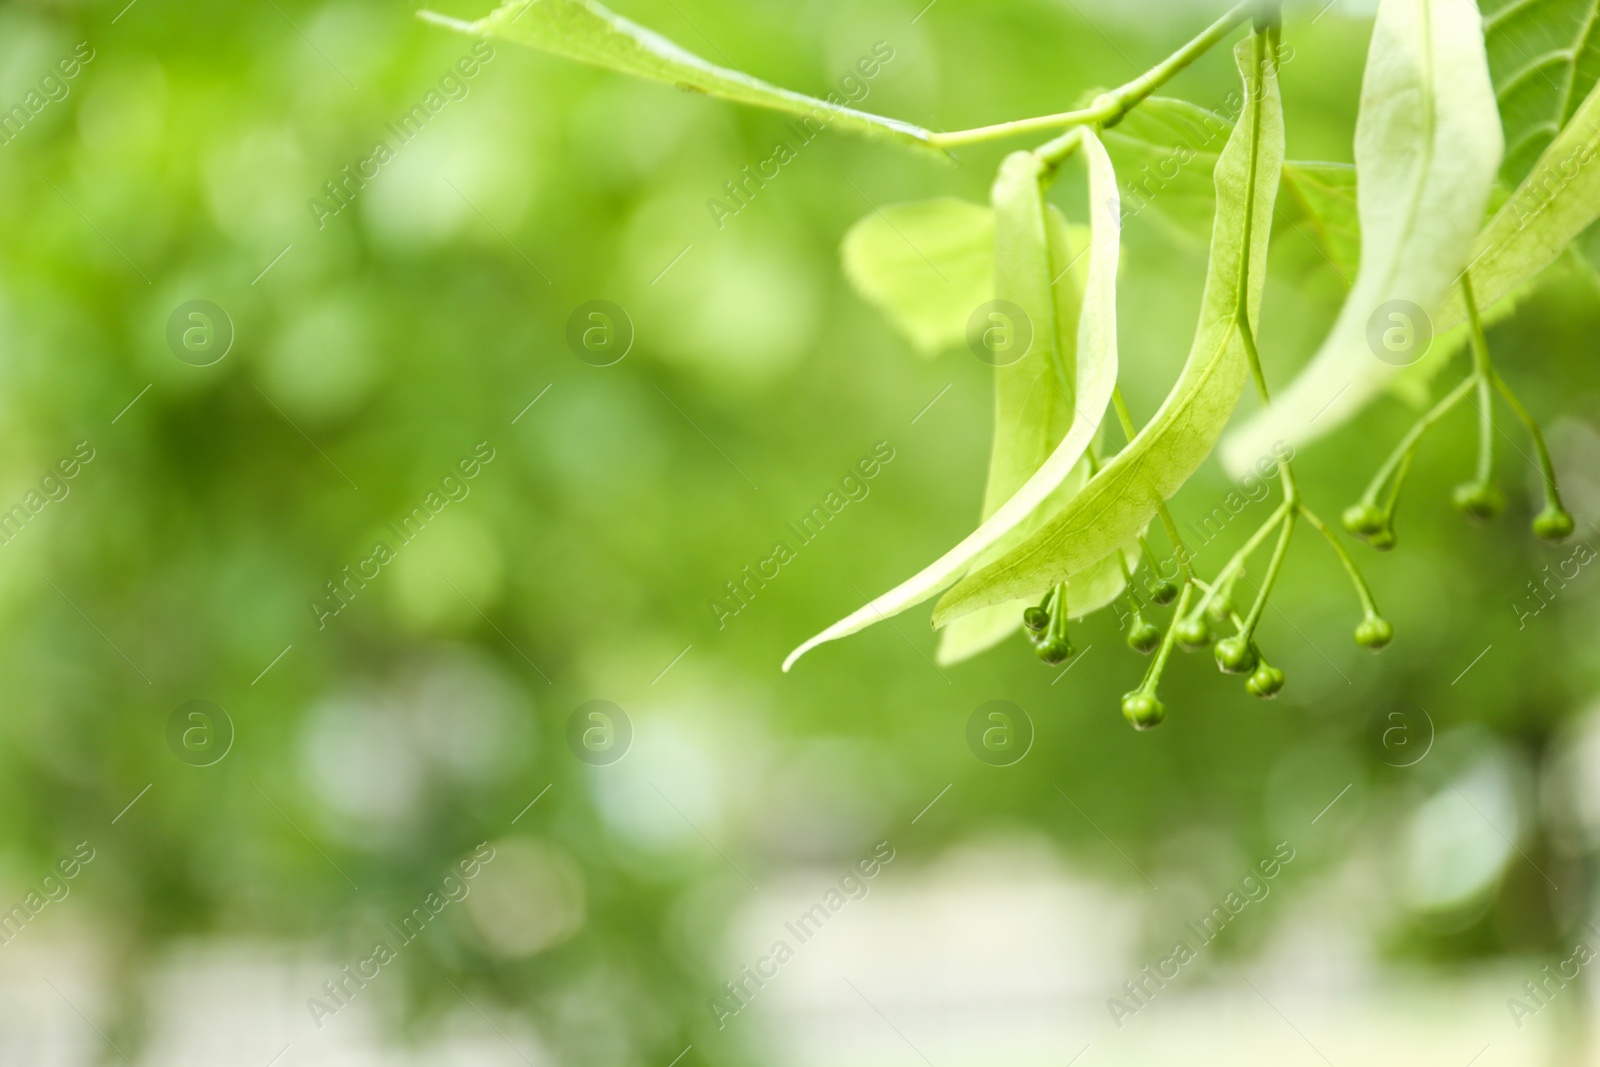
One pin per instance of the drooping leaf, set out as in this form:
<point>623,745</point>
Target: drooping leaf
<point>1427,147</point>
<point>1015,439</point>
<point>926,265</point>
<point>1544,57</point>
<point>1033,395</point>
<point>590,33</point>
<point>1036,396</point>
<point>1122,498</point>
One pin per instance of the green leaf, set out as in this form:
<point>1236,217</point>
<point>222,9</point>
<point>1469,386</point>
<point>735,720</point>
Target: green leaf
<point>1122,498</point>
<point>1556,202</point>
<point>1319,203</point>
<point>1427,148</point>
<point>1165,151</point>
<point>1033,396</point>
<point>983,629</point>
<point>1031,399</point>
<point>1556,205</point>
<point>1586,250</point>
<point>926,265</point>
<point>589,33</point>
<point>1101,583</point>
<point>1544,57</point>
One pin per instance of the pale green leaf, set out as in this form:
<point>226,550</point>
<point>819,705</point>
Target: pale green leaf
<point>1032,268</point>
<point>926,265</point>
<point>1033,396</point>
<point>983,629</point>
<point>590,33</point>
<point>1122,498</point>
<point>1015,439</point>
<point>1427,147</point>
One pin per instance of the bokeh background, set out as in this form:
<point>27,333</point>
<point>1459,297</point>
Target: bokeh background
<point>1439,801</point>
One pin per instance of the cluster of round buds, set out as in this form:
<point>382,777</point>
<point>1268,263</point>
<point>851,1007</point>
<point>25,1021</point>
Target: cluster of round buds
<point>1239,654</point>
<point>1046,624</point>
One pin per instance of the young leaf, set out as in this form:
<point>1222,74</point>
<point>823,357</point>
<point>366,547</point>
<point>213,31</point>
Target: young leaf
<point>1428,145</point>
<point>1122,498</point>
<point>1031,264</point>
<point>589,33</point>
<point>926,265</point>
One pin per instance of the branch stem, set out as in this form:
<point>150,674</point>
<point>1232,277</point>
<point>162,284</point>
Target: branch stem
<point>1109,108</point>
<point>1488,376</point>
<point>1369,607</point>
<point>1236,562</point>
<point>1153,676</point>
<point>1408,443</point>
<point>1279,550</point>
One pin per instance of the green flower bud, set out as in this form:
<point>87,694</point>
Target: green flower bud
<point>1143,711</point>
<point>1221,609</point>
<point>1165,592</point>
<point>1553,524</point>
<point>1236,655</point>
<point>1265,683</point>
<point>1478,500</point>
<point>1374,633</point>
<point>1035,619</point>
<point>1193,632</point>
<point>1364,519</point>
<point>1143,635</point>
<point>1054,649</point>
<point>1383,540</point>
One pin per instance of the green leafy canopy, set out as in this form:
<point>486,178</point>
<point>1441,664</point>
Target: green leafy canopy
<point>1451,103</point>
